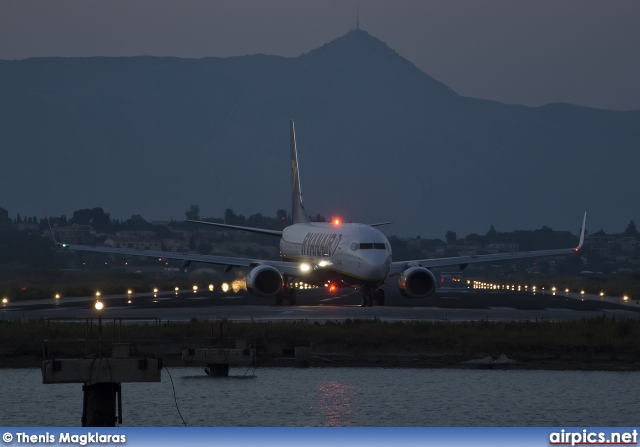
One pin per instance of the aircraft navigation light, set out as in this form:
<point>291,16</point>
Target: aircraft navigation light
<point>99,305</point>
<point>305,267</point>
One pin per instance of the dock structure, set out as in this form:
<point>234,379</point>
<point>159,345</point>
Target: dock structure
<point>222,352</point>
<point>218,360</point>
<point>107,364</point>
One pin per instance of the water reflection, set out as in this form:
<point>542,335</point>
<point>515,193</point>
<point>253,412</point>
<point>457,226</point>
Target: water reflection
<point>336,403</point>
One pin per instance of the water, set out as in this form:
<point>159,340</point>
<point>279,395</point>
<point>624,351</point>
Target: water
<point>342,397</point>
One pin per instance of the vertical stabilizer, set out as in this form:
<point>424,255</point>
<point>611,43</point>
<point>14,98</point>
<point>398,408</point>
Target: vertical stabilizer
<point>298,213</point>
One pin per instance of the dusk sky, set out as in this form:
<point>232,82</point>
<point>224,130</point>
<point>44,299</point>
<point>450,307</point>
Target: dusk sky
<point>583,52</point>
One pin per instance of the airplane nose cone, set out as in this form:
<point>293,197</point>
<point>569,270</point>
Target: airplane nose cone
<point>376,265</point>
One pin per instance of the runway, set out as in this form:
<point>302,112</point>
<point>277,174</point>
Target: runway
<point>321,306</point>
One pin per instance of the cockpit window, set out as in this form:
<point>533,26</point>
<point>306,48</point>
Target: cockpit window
<point>368,246</point>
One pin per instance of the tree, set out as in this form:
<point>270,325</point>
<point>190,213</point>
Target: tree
<point>631,229</point>
<point>451,237</point>
<point>95,217</point>
<point>193,213</point>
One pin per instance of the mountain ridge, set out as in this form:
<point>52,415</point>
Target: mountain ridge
<point>378,140</point>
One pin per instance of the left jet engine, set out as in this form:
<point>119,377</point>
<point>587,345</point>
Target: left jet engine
<point>264,280</point>
<point>417,282</point>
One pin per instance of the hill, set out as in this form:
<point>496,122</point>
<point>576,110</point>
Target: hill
<point>378,140</point>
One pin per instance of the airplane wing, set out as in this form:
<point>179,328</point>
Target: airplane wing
<point>462,261</point>
<point>237,227</point>
<point>290,268</point>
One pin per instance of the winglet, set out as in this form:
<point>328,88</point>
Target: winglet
<point>584,226</point>
<point>53,235</point>
<point>298,213</point>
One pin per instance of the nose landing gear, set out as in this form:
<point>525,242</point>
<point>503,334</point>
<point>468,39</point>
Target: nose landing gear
<point>369,294</point>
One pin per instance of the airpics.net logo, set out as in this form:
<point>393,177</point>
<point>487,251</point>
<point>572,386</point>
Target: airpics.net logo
<point>7,437</point>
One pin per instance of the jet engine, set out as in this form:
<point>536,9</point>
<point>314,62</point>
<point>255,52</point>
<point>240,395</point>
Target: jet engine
<point>264,280</point>
<point>417,282</point>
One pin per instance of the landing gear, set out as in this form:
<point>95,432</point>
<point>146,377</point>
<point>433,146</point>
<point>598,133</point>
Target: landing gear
<point>379,297</point>
<point>369,294</point>
<point>287,293</point>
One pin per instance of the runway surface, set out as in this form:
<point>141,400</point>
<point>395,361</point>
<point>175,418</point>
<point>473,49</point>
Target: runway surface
<point>321,305</point>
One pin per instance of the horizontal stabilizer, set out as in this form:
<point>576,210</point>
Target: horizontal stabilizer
<point>238,227</point>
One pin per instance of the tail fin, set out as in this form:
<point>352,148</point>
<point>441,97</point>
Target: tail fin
<point>298,213</point>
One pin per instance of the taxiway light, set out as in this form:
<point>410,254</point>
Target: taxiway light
<point>99,305</point>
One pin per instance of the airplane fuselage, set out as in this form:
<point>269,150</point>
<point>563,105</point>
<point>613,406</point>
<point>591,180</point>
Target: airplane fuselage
<point>348,253</point>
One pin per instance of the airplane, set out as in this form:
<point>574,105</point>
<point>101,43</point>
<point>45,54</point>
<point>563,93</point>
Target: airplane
<point>334,253</point>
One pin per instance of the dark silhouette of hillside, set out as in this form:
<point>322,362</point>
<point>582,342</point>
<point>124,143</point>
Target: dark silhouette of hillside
<point>378,140</point>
